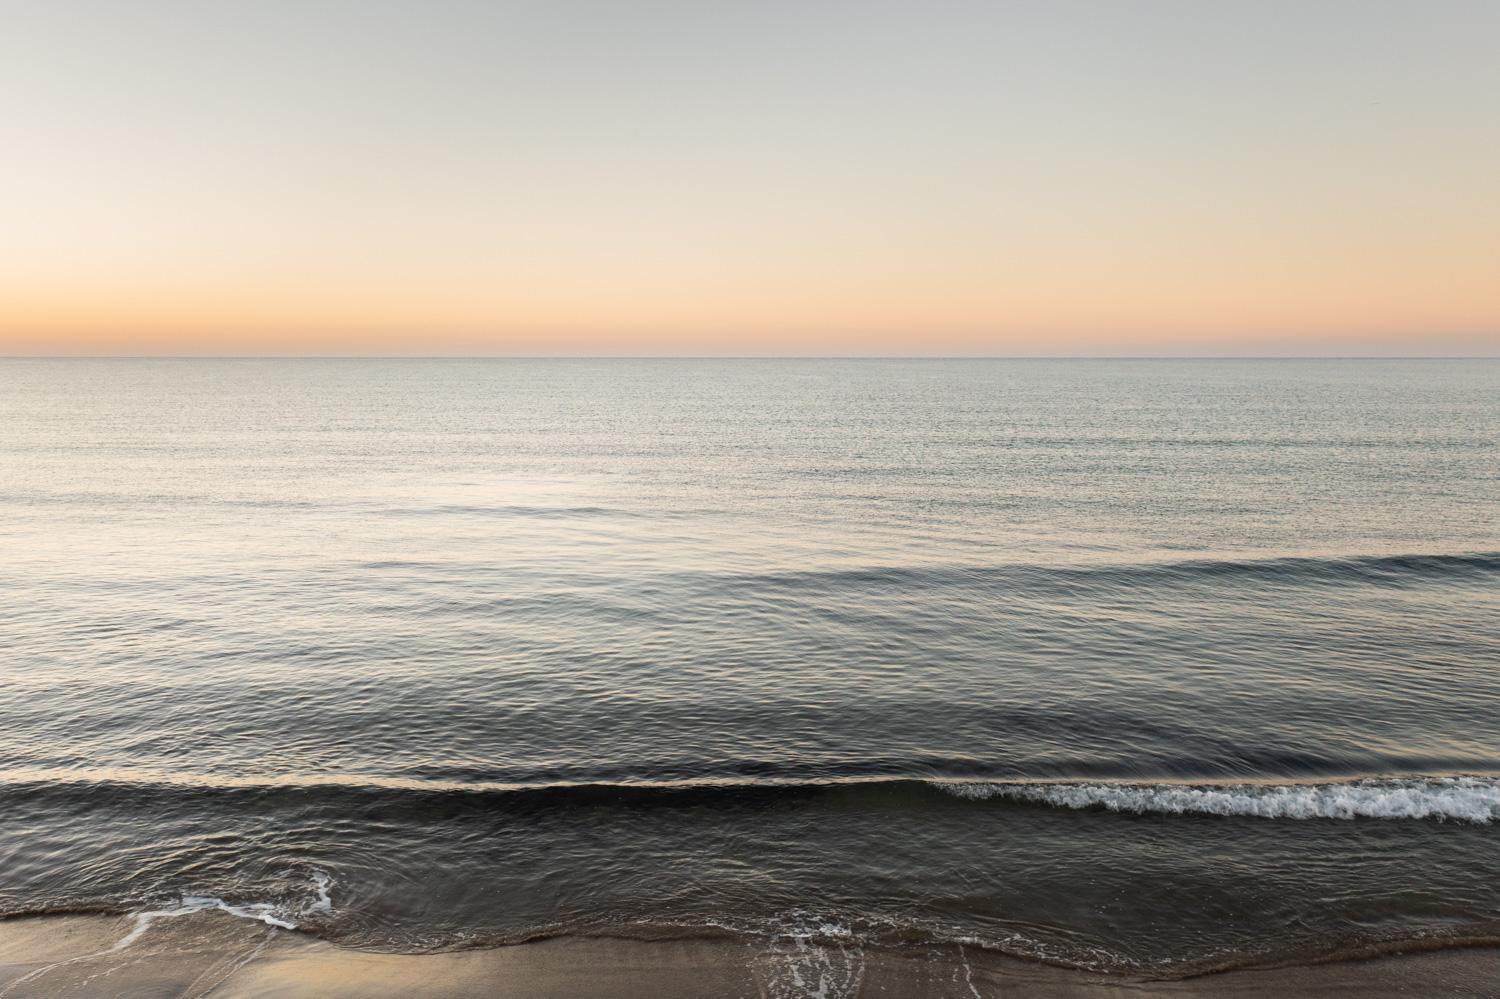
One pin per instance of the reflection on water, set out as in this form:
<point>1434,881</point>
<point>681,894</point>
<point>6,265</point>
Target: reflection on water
<point>265,618</point>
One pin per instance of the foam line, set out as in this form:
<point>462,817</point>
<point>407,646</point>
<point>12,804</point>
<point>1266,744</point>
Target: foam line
<point>1465,799</point>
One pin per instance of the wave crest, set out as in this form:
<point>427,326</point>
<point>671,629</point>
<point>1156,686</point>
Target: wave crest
<point>1464,799</point>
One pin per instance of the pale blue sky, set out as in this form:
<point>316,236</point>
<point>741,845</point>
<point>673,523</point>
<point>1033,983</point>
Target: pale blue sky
<point>564,177</point>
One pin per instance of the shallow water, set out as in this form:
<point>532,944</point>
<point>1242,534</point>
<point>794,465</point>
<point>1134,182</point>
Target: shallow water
<point>1140,665</point>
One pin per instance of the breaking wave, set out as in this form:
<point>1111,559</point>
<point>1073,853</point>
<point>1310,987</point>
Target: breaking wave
<point>1472,799</point>
<point>1463,799</point>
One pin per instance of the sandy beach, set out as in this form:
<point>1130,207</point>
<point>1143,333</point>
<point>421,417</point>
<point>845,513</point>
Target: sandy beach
<point>200,955</point>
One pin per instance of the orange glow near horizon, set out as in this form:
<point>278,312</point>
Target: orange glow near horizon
<point>823,179</point>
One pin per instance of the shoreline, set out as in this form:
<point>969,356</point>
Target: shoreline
<point>206,953</point>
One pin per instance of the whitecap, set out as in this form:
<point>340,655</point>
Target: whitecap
<point>1465,799</point>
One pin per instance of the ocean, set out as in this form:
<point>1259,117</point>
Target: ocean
<point>1141,666</point>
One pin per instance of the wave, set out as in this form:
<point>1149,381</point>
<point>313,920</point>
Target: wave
<point>1383,569</point>
<point>271,914</point>
<point>1470,798</point>
<point>814,937</point>
<point>1367,568</point>
<point>279,915</point>
<point>524,511</point>
<point>1464,799</point>
<point>1387,569</point>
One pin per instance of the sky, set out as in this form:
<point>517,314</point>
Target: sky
<point>706,177</point>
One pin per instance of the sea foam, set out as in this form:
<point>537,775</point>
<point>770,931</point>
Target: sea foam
<point>1465,799</point>
<point>264,912</point>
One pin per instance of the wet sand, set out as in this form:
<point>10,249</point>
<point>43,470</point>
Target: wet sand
<point>207,954</point>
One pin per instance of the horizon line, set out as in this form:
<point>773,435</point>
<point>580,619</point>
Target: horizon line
<point>749,357</point>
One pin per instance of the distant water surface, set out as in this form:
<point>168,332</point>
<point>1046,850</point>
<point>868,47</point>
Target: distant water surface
<point>1151,666</point>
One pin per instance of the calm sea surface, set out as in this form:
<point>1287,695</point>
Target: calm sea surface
<point>1157,665</point>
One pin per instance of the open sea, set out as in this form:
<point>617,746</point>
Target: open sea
<point>1143,666</point>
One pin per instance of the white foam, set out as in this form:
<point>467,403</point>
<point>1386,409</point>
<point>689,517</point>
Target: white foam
<point>261,911</point>
<point>264,912</point>
<point>1465,799</point>
<point>324,902</point>
<point>795,966</point>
